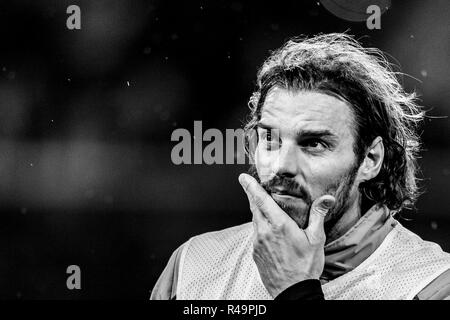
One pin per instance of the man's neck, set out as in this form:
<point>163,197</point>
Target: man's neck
<point>347,220</point>
<point>359,241</point>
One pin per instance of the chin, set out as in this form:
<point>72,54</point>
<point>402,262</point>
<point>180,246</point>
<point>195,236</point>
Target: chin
<point>296,208</point>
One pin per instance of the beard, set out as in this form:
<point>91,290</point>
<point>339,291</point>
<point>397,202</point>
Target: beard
<point>299,211</point>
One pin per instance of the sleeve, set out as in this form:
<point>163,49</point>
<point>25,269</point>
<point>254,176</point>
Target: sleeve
<point>166,286</point>
<point>310,289</point>
<point>438,289</point>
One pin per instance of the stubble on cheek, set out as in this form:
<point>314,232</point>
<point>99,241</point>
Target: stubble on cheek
<point>342,191</point>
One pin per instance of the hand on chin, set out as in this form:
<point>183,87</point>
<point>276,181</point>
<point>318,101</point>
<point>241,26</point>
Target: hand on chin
<point>295,207</point>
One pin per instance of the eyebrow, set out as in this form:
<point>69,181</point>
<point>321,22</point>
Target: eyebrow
<point>304,134</point>
<point>324,133</point>
<point>263,125</point>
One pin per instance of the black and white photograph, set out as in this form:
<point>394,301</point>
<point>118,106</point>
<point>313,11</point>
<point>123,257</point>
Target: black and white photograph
<point>225,150</point>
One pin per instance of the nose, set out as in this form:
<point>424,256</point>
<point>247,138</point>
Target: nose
<point>286,163</point>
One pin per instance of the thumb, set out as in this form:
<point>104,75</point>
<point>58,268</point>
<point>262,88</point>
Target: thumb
<point>319,209</point>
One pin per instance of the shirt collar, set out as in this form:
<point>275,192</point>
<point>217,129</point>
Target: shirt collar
<point>357,244</point>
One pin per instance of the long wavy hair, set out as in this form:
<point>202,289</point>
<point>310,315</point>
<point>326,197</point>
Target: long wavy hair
<point>338,65</point>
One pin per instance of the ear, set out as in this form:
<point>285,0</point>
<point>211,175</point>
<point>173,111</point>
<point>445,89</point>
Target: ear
<point>371,165</point>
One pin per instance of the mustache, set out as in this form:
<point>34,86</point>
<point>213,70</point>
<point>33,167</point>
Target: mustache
<point>288,186</point>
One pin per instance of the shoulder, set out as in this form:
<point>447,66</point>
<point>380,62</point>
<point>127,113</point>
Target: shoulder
<point>431,254</point>
<point>217,248</point>
<point>165,287</point>
<point>201,246</point>
<point>218,244</point>
<point>225,235</point>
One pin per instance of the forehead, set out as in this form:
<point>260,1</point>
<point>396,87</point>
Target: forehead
<point>288,109</point>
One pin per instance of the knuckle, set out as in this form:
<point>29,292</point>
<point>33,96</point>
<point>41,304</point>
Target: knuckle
<point>263,235</point>
<point>253,207</point>
<point>279,225</point>
<point>259,201</point>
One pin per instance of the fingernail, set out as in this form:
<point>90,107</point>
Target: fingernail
<point>327,203</point>
<point>241,179</point>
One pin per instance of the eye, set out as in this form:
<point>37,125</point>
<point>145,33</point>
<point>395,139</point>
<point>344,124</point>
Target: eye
<point>269,138</point>
<point>314,144</point>
<point>267,135</point>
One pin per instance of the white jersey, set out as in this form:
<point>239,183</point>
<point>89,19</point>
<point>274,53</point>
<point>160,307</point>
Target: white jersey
<point>219,265</point>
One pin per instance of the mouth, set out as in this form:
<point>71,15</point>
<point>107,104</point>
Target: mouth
<point>284,195</point>
<point>284,191</point>
<point>291,204</point>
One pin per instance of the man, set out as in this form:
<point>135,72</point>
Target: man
<point>335,160</point>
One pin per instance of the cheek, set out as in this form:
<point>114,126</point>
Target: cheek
<point>263,164</point>
<point>324,174</point>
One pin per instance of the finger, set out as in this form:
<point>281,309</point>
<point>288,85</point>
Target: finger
<point>260,223</point>
<point>260,199</point>
<point>257,215</point>
<point>319,209</point>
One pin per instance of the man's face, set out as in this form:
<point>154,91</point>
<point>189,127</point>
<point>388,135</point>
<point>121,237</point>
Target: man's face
<point>305,150</point>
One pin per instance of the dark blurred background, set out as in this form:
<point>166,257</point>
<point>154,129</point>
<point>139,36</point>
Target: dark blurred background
<point>86,118</point>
